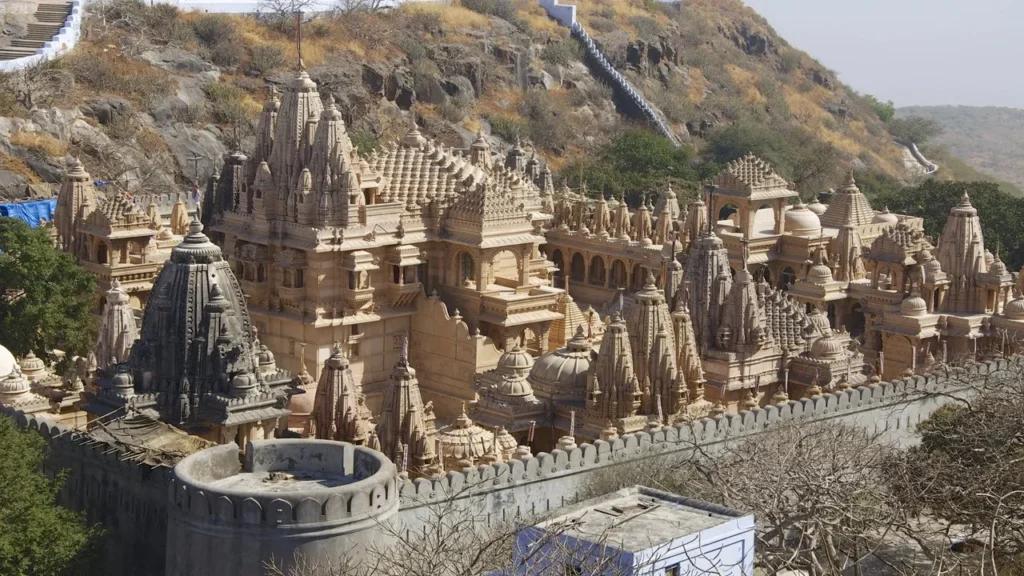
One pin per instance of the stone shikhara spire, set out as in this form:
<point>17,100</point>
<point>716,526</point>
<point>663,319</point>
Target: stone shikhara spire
<point>847,255</point>
<point>339,410</point>
<point>613,391</point>
<point>406,426</point>
<point>742,327</point>
<point>196,361</point>
<point>961,252</point>
<point>75,201</point>
<point>118,330</point>
<point>652,343</point>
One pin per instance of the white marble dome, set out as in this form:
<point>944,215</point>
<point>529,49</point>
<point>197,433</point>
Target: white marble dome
<point>802,222</point>
<point>819,274</point>
<point>563,372</point>
<point>32,367</point>
<point>827,347</point>
<point>7,362</point>
<point>817,207</point>
<point>515,361</point>
<point>914,306</point>
<point>885,217</point>
<point>1014,309</point>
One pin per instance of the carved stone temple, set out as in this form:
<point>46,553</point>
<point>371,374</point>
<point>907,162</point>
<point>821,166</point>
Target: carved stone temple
<point>450,308</point>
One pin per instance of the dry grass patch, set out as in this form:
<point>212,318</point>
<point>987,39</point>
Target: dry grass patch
<point>40,143</point>
<point>803,107</point>
<point>698,85</point>
<point>746,82</point>
<point>19,167</point>
<point>537,18</point>
<point>451,16</point>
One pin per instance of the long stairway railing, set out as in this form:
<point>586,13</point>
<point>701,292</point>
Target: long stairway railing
<point>624,86</point>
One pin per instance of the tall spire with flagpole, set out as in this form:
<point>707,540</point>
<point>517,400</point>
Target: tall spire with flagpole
<point>298,38</point>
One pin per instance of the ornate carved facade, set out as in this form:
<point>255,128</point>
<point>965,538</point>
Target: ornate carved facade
<point>121,239</point>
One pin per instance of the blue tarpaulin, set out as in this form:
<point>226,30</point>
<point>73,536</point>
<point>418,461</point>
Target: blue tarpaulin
<point>30,212</point>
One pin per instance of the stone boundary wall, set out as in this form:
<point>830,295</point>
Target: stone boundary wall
<point>549,480</point>
<point>373,491</point>
<point>621,84</point>
<point>128,498</point>
<point>131,499</point>
<point>64,41</point>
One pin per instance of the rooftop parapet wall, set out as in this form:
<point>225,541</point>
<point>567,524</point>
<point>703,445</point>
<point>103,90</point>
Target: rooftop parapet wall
<point>549,480</point>
<point>369,491</point>
<point>230,520</point>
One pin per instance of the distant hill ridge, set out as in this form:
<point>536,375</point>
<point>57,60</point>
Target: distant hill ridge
<point>987,138</point>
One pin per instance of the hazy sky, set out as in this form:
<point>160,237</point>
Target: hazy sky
<point>924,52</point>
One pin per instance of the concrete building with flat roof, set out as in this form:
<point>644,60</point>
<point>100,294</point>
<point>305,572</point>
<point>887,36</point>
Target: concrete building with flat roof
<point>639,532</point>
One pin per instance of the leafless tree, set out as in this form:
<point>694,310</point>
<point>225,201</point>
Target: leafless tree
<point>288,8</point>
<point>37,86</point>
<point>456,540</point>
<point>967,474</point>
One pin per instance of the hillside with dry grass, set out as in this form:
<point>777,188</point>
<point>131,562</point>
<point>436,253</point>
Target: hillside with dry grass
<point>154,97</point>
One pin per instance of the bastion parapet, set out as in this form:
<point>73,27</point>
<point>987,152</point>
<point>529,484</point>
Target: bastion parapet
<point>315,498</point>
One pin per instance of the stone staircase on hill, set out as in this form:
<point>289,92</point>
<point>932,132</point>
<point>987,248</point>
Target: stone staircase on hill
<point>49,19</point>
<point>619,82</point>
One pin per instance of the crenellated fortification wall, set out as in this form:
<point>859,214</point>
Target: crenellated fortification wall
<point>227,519</point>
<point>128,498</point>
<point>550,480</point>
<point>131,498</point>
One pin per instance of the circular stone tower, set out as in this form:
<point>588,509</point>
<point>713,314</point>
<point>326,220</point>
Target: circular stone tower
<point>315,499</point>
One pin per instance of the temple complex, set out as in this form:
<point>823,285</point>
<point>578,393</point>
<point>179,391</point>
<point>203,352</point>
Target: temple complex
<point>557,315</point>
<point>450,308</point>
<point>197,363</point>
<point>121,239</point>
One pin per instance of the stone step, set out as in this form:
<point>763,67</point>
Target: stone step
<point>23,43</point>
<point>39,38</point>
<point>51,18</point>
<point>8,55</point>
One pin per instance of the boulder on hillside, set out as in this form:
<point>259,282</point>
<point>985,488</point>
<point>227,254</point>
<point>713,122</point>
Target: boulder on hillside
<point>106,110</point>
<point>191,146</point>
<point>171,58</point>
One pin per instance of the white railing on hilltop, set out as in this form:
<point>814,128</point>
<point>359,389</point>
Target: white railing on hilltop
<point>64,40</point>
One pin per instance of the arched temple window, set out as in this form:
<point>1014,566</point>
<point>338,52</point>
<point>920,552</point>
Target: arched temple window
<point>597,271</point>
<point>577,268</point>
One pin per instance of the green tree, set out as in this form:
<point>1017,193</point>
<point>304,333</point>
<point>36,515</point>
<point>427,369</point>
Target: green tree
<point>886,110</point>
<point>638,164</point>
<point>37,537</point>
<point>45,297</point>
<point>916,129</point>
<point>1002,215</point>
<point>795,154</point>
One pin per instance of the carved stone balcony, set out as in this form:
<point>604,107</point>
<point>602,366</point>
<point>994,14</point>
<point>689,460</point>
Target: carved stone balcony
<point>402,295</point>
<point>358,299</point>
<point>256,292</point>
<point>291,297</point>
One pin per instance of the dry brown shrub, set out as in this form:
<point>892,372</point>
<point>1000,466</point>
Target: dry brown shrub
<point>40,143</point>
